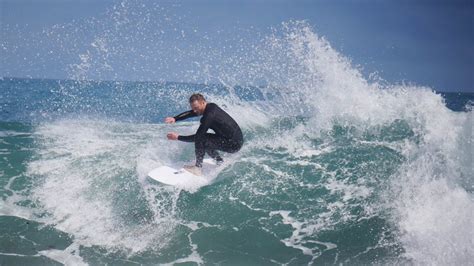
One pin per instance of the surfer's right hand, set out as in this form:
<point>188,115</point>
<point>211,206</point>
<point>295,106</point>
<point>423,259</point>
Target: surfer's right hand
<point>172,136</point>
<point>170,120</point>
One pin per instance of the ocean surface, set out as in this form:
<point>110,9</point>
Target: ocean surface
<point>392,187</point>
<point>336,168</point>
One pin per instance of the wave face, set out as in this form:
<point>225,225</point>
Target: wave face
<point>335,168</point>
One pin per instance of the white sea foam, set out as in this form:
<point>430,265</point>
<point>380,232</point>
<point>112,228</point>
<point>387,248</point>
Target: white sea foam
<point>432,206</point>
<point>10,207</point>
<point>434,211</point>
<point>81,164</point>
<point>68,256</point>
<point>428,199</point>
<point>300,231</point>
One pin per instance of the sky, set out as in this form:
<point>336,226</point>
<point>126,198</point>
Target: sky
<point>428,43</point>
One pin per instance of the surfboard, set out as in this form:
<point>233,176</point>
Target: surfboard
<point>179,177</point>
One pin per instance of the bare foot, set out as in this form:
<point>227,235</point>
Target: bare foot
<point>193,169</point>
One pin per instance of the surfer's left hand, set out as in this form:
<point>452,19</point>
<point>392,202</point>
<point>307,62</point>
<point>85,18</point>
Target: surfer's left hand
<point>172,136</point>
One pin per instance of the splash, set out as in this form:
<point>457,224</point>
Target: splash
<point>82,187</point>
<point>327,151</point>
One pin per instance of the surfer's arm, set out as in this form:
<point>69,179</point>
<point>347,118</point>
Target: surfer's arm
<point>189,138</point>
<point>185,115</point>
<point>205,124</point>
<point>198,136</point>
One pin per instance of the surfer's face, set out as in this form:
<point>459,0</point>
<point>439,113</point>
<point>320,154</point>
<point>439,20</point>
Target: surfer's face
<point>198,107</point>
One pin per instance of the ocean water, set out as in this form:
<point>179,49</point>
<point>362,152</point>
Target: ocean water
<point>336,168</point>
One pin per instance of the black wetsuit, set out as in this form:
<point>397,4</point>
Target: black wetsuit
<point>228,136</point>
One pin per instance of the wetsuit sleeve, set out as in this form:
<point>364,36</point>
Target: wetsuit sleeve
<point>185,115</point>
<point>205,124</point>
<point>189,138</point>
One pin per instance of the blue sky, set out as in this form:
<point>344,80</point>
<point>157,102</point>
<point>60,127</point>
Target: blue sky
<point>422,42</point>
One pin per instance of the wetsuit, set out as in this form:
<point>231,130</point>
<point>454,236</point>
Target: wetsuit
<point>228,136</point>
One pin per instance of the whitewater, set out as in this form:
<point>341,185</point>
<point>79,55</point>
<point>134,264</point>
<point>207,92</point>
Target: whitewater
<point>336,168</point>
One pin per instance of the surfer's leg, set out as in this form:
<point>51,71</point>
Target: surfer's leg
<point>215,143</point>
<point>211,144</point>
<point>214,155</point>
<point>199,149</point>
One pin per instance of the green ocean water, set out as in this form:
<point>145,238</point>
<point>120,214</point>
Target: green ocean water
<point>268,207</point>
<point>74,191</point>
<point>336,168</point>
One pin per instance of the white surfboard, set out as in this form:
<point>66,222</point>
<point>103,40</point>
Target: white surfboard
<point>181,178</point>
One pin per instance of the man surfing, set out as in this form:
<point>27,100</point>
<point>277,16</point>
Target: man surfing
<point>228,136</point>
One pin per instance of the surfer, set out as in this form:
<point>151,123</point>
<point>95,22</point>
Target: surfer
<point>228,136</point>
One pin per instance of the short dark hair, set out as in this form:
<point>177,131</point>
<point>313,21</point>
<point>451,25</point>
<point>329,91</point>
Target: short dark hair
<point>196,97</point>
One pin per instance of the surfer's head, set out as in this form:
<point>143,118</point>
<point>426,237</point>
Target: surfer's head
<point>198,103</point>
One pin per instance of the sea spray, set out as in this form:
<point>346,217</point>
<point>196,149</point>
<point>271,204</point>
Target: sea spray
<point>335,168</point>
